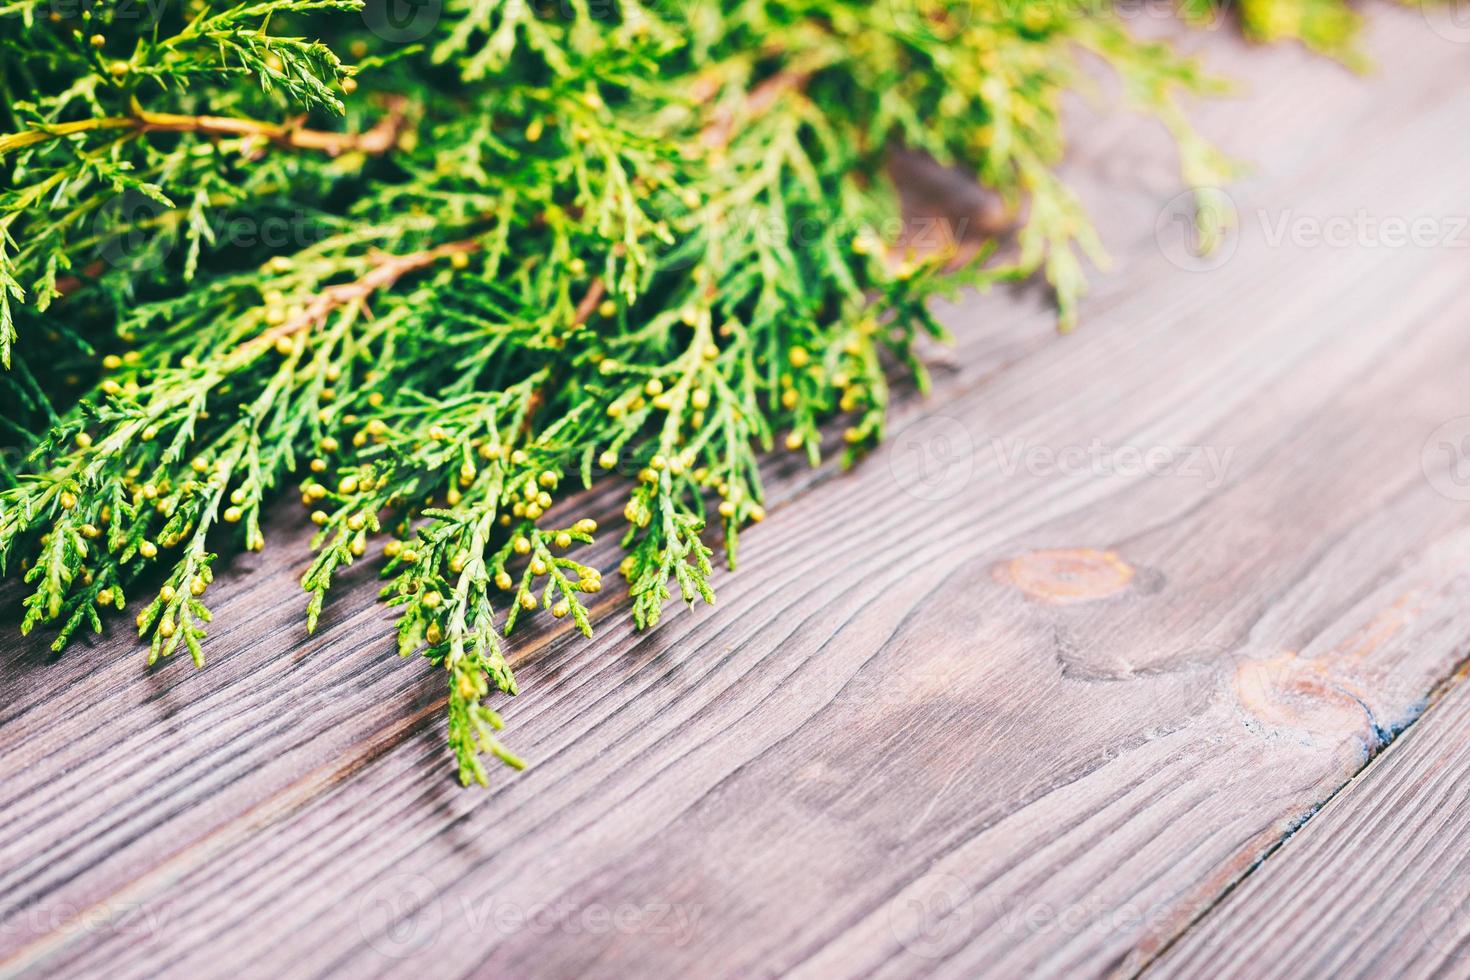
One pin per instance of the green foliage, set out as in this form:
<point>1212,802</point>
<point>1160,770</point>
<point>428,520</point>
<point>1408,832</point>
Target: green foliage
<point>450,283</point>
<point>1329,27</point>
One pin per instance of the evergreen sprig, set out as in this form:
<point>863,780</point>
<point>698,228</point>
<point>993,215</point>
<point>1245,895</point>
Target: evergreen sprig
<point>542,241</point>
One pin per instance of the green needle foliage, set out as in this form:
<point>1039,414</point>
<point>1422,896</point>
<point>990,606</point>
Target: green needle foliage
<point>445,271</point>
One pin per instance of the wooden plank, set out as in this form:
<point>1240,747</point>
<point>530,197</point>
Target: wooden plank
<point>1073,693</point>
<point>1377,884</point>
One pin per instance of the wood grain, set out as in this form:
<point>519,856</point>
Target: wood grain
<point>1377,884</point>
<point>956,714</point>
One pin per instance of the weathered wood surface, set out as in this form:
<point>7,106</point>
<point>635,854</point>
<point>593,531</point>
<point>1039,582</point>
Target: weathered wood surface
<point>959,712</point>
<point>1376,884</point>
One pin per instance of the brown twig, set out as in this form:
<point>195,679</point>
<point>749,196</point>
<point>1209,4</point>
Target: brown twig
<point>374,142</point>
<point>377,140</point>
<point>389,269</point>
<point>66,285</point>
<point>595,293</point>
<point>721,129</point>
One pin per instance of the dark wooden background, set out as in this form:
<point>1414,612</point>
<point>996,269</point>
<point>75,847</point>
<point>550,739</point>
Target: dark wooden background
<point>958,712</point>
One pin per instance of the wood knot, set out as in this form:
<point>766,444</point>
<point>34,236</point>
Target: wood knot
<point>1306,695</point>
<point>1063,576</point>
